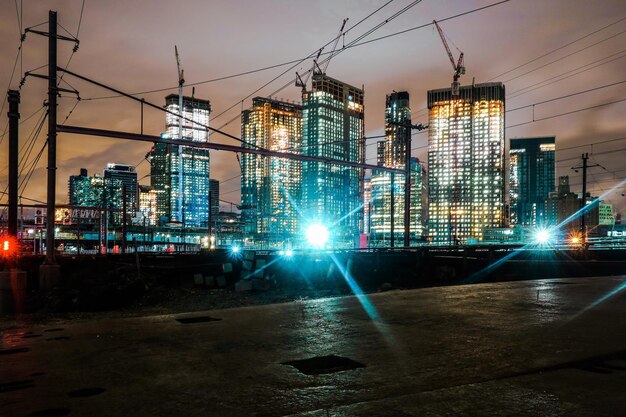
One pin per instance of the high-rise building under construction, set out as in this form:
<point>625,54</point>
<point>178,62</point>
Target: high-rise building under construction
<point>333,127</point>
<point>180,174</point>
<point>271,186</point>
<point>466,162</point>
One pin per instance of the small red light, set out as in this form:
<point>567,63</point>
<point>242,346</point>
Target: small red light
<point>6,246</point>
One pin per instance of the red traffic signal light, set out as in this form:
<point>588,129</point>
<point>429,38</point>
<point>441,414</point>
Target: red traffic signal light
<point>8,246</point>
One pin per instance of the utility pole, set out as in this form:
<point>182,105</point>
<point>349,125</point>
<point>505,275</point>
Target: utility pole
<point>393,211</point>
<point>407,188</point>
<point>583,227</point>
<point>52,136</point>
<point>124,210</point>
<point>14,119</point>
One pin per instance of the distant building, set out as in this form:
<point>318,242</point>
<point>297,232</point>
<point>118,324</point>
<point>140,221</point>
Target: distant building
<point>605,213</point>
<point>147,205</point>
<point>127,175</point>
<point>333,127</point>
<point>465,162</point>
<point>367,204</point>
<point>380,217</point>
<point>531,179</point>
<point>82,192</point>
<point>568,209</point>
<point>214,197</point>
<point>96,191</point>
<point>180,174</point>
<point>397,121</point>
<point>271,187</point>
<point>392,154</point>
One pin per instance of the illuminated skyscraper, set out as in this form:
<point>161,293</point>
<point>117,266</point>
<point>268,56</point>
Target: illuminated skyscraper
<point>332,127</point>
<point>466,162</point>
<point>127,175</point>
<point>531,176</point>
<point>180,175</point>
<point>147,205</point>
<point>392,153</point>
<point>380,217</point>
<point>271,187</point>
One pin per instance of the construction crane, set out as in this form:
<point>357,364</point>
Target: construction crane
<point>303,82</point>
<point>459,68</point>
<point>181,82</point>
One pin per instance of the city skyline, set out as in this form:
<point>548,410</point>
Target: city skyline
<point>422,74</point>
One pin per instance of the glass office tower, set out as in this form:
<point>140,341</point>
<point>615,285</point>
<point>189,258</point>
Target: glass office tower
<point>531,179</point>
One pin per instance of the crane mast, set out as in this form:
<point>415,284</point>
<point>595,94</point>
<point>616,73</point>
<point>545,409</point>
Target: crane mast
<point>459,68</point>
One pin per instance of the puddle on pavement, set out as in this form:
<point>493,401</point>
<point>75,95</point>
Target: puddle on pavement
<point>86,392</point>
<point>56,329</point>
<point>30,336</point>
<point>198,319</point>
<point>324,365</point>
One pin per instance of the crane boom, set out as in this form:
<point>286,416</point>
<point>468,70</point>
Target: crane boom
<point>445,44</point>
<point>459,68</point>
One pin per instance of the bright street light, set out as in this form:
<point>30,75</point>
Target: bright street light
<point>317,235</point>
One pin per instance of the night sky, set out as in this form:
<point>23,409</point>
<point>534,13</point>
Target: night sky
<point>130,45</point>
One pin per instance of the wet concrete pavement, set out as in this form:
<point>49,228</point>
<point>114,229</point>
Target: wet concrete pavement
<point>536,348</point>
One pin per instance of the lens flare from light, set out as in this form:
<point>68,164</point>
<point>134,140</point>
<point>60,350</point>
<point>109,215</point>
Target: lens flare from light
<point>288,253</point>
<point>317,235</point>
<point>542,236</point>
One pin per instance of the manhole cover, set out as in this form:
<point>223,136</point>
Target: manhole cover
<point>324,365</point>
<point>14,350</point>
<point>50,412</point>
<point>198,319</point>
<point>86,392</point>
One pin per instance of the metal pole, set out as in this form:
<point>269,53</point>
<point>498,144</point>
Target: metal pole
<point>407,189</point>
<point>393,214</point>
<point>14,119</point>
<point>583,229</point>
<point>124,210</point>
<point>52,135</point>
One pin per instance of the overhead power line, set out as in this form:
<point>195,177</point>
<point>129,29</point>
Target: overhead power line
<point>226,77</point>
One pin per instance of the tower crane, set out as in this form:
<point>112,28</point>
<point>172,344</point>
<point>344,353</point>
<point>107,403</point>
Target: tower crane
<point>459,68</point>
<point>181,82</point>
<point>303,82</point>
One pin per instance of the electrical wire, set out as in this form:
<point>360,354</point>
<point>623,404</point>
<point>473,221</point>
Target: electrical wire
<point>159,90</point>
<point>557,49</point>
<point>566,113</point>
